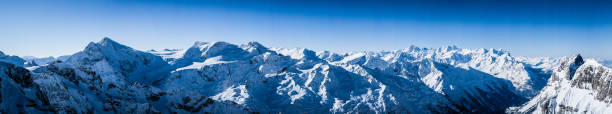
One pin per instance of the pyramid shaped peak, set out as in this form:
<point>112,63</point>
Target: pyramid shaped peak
<point>578,60</point>
<point>107,42</point>
<point>578,56</point>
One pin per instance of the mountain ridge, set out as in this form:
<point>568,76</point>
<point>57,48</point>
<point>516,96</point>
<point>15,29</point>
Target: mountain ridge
<point>576,86</point>
<point>220,77</point>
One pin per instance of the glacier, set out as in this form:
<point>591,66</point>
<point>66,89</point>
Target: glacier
<point>220,77</point>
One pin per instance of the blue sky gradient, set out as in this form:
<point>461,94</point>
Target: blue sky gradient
<point>525,28</point>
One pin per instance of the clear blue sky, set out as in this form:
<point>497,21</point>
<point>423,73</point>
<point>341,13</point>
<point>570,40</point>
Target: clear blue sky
<point>525,28</point>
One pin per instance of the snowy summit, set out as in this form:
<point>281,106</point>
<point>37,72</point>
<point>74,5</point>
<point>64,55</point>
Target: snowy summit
<point>219,77</point>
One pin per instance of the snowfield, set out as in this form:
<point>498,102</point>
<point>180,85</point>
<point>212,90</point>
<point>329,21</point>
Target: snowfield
<point>219,77</point>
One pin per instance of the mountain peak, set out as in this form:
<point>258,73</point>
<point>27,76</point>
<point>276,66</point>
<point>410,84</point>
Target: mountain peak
<point>413,48</point>
<point>578,60</point>
<point>217,48</point>
<point>199,43</point>
<point>255,44</point>
<point>574,64</point>
<point>254,47</point>
<point>220,43</point>
<point>449,48</point>
<point>1,54</point>
<point>107,42</point>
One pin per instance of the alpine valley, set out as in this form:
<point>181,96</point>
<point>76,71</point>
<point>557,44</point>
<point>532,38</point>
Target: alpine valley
<point>219,77</point>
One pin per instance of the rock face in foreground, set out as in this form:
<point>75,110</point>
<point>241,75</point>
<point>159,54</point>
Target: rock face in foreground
<point>11,59</point>
<point>576,86</point>
<point>18,93</point>
<point>218,77</point>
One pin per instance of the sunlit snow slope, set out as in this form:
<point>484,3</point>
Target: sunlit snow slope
<point>576,86</point>
<point>219,77</point>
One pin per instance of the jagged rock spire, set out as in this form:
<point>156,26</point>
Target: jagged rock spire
<point>578,60</point>
<point>575,64</point>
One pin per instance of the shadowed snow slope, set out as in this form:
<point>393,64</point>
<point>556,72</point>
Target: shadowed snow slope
<point>11,59</point>
<point>18,93</point>
<point>219,77</point>
<point>110,57</point>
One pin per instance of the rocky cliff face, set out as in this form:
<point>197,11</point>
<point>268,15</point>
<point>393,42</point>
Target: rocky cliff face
<point>18,93</point>
<point>576,86</point>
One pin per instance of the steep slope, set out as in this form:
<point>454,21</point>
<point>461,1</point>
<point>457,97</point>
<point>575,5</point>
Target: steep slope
<point>11,59</point>
<point>527,81</point>
<point>110,57</point>
<point>416,80</point>
<point>18,93</point>
<point>266,81</point>
<point>219,77</point>
<point>449,70</point>
<point>101,78</point>
<point>108,77</point>
<point>576,86</point>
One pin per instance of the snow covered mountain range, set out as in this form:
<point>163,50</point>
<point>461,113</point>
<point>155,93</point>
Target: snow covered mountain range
<point>219,77</point>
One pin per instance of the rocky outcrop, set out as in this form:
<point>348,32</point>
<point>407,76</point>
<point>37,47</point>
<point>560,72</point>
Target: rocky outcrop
<point>576,86</point>
<point>18,93</point>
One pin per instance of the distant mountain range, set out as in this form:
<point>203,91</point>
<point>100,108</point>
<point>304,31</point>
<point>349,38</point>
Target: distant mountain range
<point>219,77</point>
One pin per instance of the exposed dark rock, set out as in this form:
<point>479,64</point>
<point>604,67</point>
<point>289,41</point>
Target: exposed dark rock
<point>595,78</point>
<point>577,62</point>
<point>193,105</point>
<point>18,74</point>
<point>43,98</point>
<point>67,73</point>
<point>155,96</point>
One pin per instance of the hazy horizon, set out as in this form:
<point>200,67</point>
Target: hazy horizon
<point>533,29</point>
